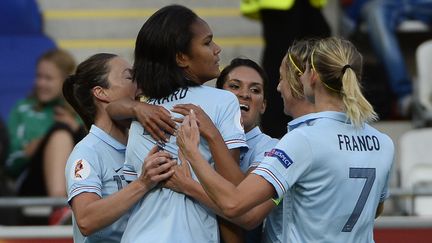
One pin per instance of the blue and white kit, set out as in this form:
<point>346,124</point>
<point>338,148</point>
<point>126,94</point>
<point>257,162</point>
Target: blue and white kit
<point>166,216</point>
<point>336,175</point>
<point>96,166</point>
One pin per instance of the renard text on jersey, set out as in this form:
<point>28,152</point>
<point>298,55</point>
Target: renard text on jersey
<point>177,95</point>
<point>358,143</point>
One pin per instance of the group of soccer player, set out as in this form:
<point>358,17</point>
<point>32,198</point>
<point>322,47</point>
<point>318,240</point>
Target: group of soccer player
<point>164,167</point>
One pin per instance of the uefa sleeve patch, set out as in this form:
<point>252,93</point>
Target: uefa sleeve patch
<point>81,170</point>
<point>283,158</point>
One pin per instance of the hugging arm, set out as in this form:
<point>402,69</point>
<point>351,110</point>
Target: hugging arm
<point>155,119</point>
<point>231,200</point>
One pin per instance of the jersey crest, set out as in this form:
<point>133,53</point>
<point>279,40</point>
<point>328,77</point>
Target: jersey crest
<point>81,170</point>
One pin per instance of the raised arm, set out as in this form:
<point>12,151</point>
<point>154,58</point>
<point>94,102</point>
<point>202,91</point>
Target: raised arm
<point>226,161</point>
<point>233,201</point>
<point>182,182</point>
<point>155,119</point>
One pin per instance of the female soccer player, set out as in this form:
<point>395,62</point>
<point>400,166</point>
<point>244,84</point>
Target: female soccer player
<point>97,191</point>
<point>247,81</point>
<point>174,55</point>
<point>335,167</point>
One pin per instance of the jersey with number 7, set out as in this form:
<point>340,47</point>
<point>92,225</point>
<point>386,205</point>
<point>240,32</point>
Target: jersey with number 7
<point>337,175</point>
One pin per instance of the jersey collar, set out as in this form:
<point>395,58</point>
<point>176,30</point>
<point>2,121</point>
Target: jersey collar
<point>102,135</point>
<point>253,133</point>
<point>334,115</point>
<point>293,124</point>
<point>308,118</point>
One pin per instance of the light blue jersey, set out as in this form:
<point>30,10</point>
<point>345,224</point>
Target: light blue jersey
<point>95,165</point>
<point>165,216</point>
<point>258,143</point>
<point>336,174</point>
<point>274,222</point>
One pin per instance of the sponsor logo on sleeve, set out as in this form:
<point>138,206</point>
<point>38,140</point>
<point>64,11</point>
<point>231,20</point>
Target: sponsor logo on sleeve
<point>283,158</point>
<point>81,170</point>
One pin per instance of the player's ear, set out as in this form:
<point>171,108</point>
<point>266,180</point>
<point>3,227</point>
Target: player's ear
<point>263,106</point>
<point>100,94</point>
<point>182,60</point>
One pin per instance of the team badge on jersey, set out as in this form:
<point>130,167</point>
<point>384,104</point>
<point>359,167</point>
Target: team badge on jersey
<point>81,170</point>
<point>281,156</point>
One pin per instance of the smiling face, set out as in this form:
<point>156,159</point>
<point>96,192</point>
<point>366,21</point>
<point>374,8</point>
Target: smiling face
<point>201,64</point>
<point>120,79</point>
<point>49,81</point>
<point>247,85</point>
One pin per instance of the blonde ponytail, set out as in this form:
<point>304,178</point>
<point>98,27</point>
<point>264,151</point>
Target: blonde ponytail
<point>358,109</point>
<point>339,66</point>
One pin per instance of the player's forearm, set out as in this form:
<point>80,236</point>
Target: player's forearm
<point>223,193</point>
<point>225,164</point>
<point>230,232</point>
<point>255,216</point>
<point>196,191</point>
<point>103,212</point>
<point>122,109</point>
<point>248,221</point>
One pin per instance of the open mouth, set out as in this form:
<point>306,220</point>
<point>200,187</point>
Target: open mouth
<point>244,107</point>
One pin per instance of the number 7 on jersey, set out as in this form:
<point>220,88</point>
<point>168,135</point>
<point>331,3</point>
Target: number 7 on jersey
<point>369,175</point>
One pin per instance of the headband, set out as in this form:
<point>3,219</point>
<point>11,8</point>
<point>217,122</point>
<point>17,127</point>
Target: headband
<point>325,84</point>
<point>294,64</point>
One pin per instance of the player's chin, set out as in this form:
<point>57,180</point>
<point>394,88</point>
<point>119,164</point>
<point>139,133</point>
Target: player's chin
<point>216,72</point>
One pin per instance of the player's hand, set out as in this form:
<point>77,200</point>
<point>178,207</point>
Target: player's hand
<point>157,167</point>
<point>205,124</point>
<point>182,176</point>
<point>156,120</point>
<point>188,136</point>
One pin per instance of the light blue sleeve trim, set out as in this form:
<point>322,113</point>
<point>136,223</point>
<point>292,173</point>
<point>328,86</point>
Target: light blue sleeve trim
<point>80,189</point>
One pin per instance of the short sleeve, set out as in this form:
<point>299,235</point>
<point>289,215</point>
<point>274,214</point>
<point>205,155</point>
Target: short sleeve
<point>83,172</point>
<point>284,165</point>
<point>229,123</point>
<point>260,151</point>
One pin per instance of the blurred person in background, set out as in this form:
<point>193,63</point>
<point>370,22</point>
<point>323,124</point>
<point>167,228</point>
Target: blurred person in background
<point>43,130</point>
<point>382,19</point>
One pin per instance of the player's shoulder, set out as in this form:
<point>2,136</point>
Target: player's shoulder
<point>301,135</point>
<point>220,94</point>
<point>89,145</point>
<point>266,141</point>
<point>263,144</point>
<point>381,135</point>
